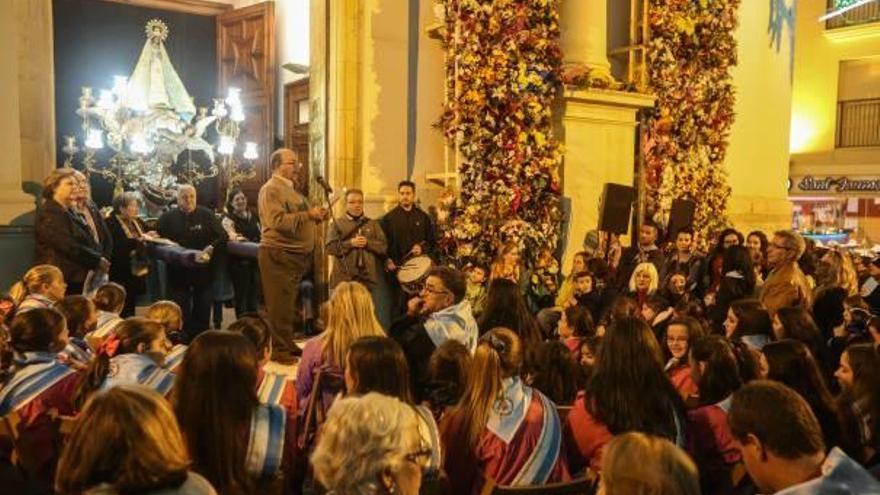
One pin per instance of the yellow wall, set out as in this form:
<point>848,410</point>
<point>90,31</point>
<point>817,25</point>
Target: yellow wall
<point>757,159</point>
<point>817,62</point>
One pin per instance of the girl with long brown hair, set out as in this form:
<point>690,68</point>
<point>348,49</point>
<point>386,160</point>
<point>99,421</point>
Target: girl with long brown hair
<point>627,391</point>
<point>502,429</point>
<point>238,444</point>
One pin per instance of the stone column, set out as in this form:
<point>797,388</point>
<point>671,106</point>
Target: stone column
<point>599,129</point>
<point>584,26</point>
<point>13,201</point>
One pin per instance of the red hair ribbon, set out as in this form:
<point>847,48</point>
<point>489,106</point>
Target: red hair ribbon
<point>110,346</point>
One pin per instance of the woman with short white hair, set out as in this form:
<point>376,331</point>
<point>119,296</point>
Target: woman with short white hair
<point>370,445</point>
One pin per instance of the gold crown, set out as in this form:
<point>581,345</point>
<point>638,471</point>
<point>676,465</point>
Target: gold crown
<point>157,29</point>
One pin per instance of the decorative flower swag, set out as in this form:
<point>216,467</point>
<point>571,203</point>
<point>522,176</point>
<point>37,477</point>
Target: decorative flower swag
<point>502,74</point>
<point>689,58</point>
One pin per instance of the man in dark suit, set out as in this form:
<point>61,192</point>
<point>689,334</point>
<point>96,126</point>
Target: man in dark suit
<point>193,227</point>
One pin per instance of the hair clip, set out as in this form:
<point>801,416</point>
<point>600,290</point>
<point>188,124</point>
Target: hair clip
<point>495,342</point>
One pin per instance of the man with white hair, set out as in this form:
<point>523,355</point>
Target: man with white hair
<point>193,227</point>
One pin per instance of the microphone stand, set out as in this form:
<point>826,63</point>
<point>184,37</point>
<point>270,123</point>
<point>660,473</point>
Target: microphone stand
<point>342,260</point>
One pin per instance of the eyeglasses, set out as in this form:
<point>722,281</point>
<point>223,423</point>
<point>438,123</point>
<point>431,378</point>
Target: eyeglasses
<point>431,290</point>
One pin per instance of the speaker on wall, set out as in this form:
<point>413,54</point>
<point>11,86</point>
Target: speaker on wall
<point>681,215</point>
<point>615,208</point>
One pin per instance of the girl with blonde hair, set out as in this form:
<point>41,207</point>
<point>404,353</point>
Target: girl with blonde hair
<point>127,441</point>
<point>639,464</point>
<point>169,315</point>
<point>502,429</point>
<point>350,316</point>
<point>41,287</point>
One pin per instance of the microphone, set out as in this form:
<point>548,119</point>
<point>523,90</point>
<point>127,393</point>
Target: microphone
<point>324,185</point>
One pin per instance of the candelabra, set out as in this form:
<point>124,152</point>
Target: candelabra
<point>147,121</point>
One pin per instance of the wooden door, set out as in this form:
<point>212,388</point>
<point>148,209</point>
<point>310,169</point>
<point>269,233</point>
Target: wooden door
<point>296,125</point>
<point>246,60</point>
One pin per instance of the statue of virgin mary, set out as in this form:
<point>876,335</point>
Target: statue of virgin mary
<point>154,84</point>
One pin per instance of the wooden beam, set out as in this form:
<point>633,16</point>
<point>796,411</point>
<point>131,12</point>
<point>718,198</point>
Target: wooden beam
<point>199,7</point>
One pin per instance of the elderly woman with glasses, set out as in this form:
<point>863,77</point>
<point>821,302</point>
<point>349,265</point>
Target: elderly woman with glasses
<point>370,444</point>
<point>786,285</point>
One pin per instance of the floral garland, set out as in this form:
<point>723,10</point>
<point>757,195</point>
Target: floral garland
<point>689,58</point>
<point>502,74</point>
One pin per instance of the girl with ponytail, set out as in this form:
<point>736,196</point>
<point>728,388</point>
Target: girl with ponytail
<point>41,287</point>
<point>134,353</point>
<point>504,430</point>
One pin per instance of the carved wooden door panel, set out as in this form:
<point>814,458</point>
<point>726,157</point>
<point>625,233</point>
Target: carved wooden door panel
<point>296,126</point>
<point>246,60</point>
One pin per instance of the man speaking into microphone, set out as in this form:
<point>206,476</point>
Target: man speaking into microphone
<point>286,248</point>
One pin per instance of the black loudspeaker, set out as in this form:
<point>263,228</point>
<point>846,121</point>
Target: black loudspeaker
<point>681,215</point>
<point>615,208</point>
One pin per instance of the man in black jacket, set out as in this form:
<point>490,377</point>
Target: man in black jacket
<point>643,251</point>
<point>193,227</point>
<point>410,232</point>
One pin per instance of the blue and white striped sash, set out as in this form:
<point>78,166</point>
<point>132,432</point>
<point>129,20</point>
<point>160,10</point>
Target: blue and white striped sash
<point>37,372</point>
<point>271,389</point>
<point>77,350</point>
<point>174,357</point>
<point>508,412</point>
<point>266,443</point>
<point>539,466</point>
<point>107,321</point>
<point>138,369</point>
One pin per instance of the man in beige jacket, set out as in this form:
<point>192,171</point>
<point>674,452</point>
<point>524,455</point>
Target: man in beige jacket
<point>786,285</point>
<point>286,246</point>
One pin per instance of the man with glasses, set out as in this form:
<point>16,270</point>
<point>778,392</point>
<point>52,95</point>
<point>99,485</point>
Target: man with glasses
<point>786,285</point>
<point>439,313</point>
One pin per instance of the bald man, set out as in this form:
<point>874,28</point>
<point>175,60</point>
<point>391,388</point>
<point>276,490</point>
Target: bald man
<point>193,227</point>
<point>286,246</point>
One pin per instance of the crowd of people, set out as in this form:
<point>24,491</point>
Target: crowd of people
<point>654,369</point>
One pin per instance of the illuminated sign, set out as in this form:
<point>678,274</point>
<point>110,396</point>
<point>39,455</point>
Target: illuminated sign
<point>837,184</point>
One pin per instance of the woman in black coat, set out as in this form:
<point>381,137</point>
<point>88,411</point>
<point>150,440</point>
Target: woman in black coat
<point>63,236</point>
<point>129,266</point>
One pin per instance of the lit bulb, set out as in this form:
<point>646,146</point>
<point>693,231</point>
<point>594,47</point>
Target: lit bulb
<point>237,113</point>
<point>140,145</point>
<point>226,146</point>
<point>234,97</point>
<point>219,108</point>
<point>250,151</point>
<point>105,101</point>
<point>120,83</point>
<point>93,140</point>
